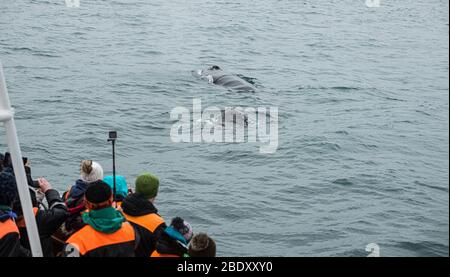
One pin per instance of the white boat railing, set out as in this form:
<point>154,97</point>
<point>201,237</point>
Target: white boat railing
<point>7,117</point>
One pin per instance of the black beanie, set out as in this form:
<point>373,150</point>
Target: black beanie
<point>202,246</point>
<point>8,189</point>
<point>98,192</point>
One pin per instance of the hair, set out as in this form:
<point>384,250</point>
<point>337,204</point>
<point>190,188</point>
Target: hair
<point>202,246</point>
<point>98,206</point>
<point>86,166</point>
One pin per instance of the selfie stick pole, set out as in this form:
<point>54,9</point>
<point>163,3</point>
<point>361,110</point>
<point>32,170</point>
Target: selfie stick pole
<point>7,117</point>
<point>113,140</point>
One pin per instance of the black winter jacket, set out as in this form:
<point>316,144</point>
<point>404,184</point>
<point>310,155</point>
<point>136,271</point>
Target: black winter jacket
<point>144,217</point>
<point>48,221</point>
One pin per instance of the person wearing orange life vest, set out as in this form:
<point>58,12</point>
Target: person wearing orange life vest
<point>174,241</point>
<point>106,233</point>
<point>9,233</point>
<point>138,208</point>
<point>90,172</point>
<point>48,220</point>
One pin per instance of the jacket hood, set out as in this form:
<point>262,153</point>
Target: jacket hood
<point>107,220</point>
<point>78,189</point>
<point>137,205</point>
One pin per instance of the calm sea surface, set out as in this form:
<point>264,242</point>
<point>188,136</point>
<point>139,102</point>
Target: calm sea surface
<point>363,98</point>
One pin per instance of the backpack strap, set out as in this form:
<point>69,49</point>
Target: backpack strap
<point>137,237</point>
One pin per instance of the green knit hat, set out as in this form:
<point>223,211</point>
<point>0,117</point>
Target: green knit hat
<point>147,184</point>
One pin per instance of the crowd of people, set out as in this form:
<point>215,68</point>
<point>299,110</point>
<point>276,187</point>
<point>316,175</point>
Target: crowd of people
<point>89,220</point>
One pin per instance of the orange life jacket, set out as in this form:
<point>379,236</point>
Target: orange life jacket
<point>21,222</point>
<point>88,239</point>
<point>149,221</point>
<point>156,254</point>
<point>7,227</point>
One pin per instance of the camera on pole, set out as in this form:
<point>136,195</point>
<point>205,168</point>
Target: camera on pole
<point>112,138</point>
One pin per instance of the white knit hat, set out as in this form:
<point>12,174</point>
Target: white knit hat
<point>91,171</point>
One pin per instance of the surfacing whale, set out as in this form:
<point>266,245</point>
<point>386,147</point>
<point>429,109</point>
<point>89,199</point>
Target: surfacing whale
<point>217,76</point>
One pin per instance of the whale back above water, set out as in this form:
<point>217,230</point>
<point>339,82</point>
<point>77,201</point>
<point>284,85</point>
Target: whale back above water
<point>217,76</point>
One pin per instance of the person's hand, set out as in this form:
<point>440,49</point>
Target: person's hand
<point>44,185</point>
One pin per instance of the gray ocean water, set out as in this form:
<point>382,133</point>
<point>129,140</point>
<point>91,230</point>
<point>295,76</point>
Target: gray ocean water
<point>363,98</point>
